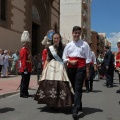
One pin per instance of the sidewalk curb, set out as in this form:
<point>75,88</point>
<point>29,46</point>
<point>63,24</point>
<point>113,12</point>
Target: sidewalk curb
<point>8,94</point>
<point>15,92</point>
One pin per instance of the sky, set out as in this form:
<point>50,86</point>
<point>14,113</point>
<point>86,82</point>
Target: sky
<point>105,18</point>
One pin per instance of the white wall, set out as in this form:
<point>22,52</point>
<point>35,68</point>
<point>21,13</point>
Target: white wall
<point>13,39</point>
<point>70,15</point>
<point>18,17</point>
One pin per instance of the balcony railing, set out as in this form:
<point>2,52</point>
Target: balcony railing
<point>84,25</point>
<point>84,14</point>
<point>84,2</point>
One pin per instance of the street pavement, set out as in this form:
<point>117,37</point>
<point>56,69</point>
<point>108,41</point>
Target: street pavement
<point>10,85</point>
<point>100,104</point>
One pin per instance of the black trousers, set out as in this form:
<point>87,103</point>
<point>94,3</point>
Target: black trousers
<point>1,68</point>
<point>39,71</point>
<point>109,75</point>
<point>77,76</point>
<point>24,83</point>
<point>89,82</point>
<point>119,77</point>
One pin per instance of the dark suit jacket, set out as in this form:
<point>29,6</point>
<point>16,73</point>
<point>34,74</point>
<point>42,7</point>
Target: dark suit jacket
<point>108,59</point>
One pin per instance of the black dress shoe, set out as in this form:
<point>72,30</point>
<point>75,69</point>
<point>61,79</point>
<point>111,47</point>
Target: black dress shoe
<point>54,108</point>
<point>91,89</point>
<point>117,91</point>
<point>24,96</point>
<point>80,109</point>
<point>87,91</point>
<point>106,84</point>
<point>74,115</point>
<point>110,85</point>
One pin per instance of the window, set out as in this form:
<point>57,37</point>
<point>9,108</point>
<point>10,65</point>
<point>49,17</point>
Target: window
<point>3,10</point>
<point>35,13</point>
<point>55,27</point>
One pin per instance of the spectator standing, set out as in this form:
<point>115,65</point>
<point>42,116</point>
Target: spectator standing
<point>108,66</point>
<point>15,58</point>
<point>39,67</point>
<point>34,66</point>
<point>5,64</point>
<point>1,60</point>
<point>9,63</point>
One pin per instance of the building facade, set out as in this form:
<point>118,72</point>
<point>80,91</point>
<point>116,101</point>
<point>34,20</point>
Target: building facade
<point>75,13</point>
<point>35,16</point>
<point>94,39</point>
<point>98,43</point>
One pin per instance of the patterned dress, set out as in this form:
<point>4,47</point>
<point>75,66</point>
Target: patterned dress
<point>54,86</point>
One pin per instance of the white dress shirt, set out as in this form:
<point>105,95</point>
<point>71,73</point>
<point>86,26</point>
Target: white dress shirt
<point>93,57</point>
<point>79,49</point>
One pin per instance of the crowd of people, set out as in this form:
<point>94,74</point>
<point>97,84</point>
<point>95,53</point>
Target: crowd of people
<point>8,63</point>
<point>63,69</point>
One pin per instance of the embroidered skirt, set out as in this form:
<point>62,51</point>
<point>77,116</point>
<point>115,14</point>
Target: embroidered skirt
<point>54,87</point>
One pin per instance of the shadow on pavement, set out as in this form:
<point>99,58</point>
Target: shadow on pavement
<point>66,110</point>
<point>93,91</point>
<point>96,91</point>
<point>87,111</point>
<point>115,85</point>
<point>110,87</point>
<point>10,76</point>
<point>7,109</point>
<point>31,95</point>
<point>97,80</point>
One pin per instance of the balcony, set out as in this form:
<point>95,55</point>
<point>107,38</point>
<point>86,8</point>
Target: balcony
<point>84,3</point>
<point>84,25</point>
<point>84,30</point>
<point>84,15</point>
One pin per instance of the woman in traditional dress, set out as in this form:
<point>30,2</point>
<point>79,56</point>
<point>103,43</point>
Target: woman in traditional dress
<point>54,86</point>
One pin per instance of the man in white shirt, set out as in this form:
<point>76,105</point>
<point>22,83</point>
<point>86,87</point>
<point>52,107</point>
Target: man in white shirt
<point>93,68</point>
<point>15,58</point>
<point>77,55</point>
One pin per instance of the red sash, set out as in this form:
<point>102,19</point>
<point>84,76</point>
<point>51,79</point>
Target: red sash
<point>118,60</point>
<point>91,63</point>
<point>81,62</point>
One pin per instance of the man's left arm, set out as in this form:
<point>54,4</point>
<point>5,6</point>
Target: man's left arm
<point>88,59</point>
<point>94,62</point>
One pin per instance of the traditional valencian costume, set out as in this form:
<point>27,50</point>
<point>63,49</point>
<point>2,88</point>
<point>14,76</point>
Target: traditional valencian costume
<point>77,51</point>
<point>117,64</point>
<point>55,89</point>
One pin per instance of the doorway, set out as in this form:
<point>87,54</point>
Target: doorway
<point>35,38</point>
